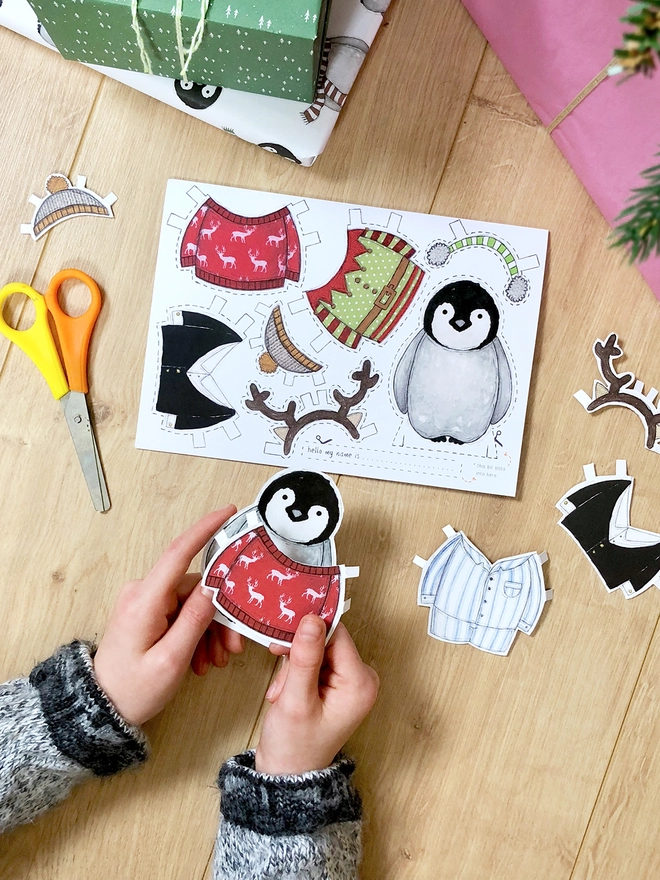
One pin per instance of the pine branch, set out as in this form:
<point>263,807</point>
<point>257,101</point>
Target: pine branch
<point>641,46</point>
<point>639,231</point>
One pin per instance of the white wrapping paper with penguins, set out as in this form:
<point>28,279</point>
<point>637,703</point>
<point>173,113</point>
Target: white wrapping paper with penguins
<point>307,333</point>
<point>275,561</point>
<point>298,132</point>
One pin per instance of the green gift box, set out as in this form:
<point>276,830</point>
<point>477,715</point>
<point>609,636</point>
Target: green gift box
<point>271,47</point>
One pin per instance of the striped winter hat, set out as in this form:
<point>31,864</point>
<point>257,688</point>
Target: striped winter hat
<point>517,286</point>
<point>65,200</point>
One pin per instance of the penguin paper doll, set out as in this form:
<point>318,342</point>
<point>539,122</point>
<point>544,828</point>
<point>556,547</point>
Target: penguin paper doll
<point>275,561</point>
<point>454,379</point>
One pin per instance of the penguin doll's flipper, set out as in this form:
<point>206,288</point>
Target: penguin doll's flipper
<point>402,373</point>
<point>505,384</point>
<point>236,524</point>
<point>211,550</point>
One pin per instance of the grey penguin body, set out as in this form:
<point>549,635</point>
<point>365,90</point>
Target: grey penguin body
<point>452,393</point>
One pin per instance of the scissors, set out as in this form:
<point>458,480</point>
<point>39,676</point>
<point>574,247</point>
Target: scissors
<point>70,389</point>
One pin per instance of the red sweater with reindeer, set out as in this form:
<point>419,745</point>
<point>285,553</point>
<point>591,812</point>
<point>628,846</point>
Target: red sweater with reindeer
<point>242,253</point>
<point>264,589</point>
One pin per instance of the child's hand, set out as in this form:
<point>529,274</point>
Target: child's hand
<point>318,699</point>
<point>158,626</point>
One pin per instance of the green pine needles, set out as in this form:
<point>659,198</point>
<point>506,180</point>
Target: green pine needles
<point>639,229</point>
<point>641,46</point>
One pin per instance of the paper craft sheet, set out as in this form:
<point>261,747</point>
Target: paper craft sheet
<point>297,332</point>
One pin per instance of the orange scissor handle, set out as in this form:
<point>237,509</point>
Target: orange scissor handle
<point>74,333</point>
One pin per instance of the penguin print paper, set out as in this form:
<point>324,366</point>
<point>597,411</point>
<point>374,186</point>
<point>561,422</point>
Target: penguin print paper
<point>366,341</point>
<point>275,561</point>
<point>298,132</point>
<point>474,602</point>
<point>596,513</point>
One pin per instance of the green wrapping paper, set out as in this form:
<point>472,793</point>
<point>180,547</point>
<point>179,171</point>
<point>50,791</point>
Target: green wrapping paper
<point>271,47</point>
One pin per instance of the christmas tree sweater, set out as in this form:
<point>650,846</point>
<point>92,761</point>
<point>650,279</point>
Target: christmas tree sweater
<point>58,728</point>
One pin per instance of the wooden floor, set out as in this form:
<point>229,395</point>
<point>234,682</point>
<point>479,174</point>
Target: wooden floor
<point>473,767</point>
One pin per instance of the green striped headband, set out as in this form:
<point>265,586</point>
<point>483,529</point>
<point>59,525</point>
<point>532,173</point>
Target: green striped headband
<point>517,286</point>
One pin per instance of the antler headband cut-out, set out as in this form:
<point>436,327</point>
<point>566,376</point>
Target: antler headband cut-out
<point>342,415</point>
<point>621,390</point>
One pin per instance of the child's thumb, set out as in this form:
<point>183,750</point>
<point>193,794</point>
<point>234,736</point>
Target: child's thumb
<point>305,659</point>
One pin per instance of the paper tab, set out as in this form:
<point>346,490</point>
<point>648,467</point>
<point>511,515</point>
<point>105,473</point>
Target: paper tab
<point>621,467</point>
<point>582,397</point>
<point>449,531</point>
<point>419,561</point>
<point>351,571</point>
<point>589,472</point>
<point>543,557</point>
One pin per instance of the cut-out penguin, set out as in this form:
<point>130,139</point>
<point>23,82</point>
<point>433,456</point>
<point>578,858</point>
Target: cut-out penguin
<point>274,562</point>
<point>454,379</point>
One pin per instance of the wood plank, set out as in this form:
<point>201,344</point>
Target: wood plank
<point>620,840</point>
<point>394,135</point>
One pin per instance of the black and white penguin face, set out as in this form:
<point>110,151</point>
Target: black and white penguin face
<point>195,95</point>
<point>281,151</point>
<point>462,316</point>
<point>301,506</point>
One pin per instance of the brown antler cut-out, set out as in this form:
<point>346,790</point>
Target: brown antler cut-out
<point>616,393</point>
<point>367,380</point>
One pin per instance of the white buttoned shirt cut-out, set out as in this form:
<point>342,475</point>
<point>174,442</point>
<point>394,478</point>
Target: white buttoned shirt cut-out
<point>478,603</point>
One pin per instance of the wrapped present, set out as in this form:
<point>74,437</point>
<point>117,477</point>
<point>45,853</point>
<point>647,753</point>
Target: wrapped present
<point>263,47</point>
<point>558,53</point>
<point>297,131</point>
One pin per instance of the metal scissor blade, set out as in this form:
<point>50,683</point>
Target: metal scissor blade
<point>76,413</point>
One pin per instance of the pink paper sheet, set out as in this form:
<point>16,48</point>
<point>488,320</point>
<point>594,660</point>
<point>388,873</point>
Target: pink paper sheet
<point>552,49</point>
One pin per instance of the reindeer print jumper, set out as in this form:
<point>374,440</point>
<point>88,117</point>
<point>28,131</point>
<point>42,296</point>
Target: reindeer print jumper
<point>242,253</point>
<point>269,592</point>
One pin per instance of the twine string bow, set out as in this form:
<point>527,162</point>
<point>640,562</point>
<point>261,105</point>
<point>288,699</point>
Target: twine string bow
<point>185,54</point>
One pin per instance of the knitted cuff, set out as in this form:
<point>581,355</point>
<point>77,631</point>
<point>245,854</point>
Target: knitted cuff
<point>82,721</point>
<point>287,804</point>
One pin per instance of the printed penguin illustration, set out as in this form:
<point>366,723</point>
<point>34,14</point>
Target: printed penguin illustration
<point>196,95</point>
<point>275,561</point>
<point>454,379</point>
<point>279,150</point>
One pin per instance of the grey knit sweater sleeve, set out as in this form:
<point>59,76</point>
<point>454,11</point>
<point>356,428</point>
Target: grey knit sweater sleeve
<point>57,728</point>
<point>304,827</point>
